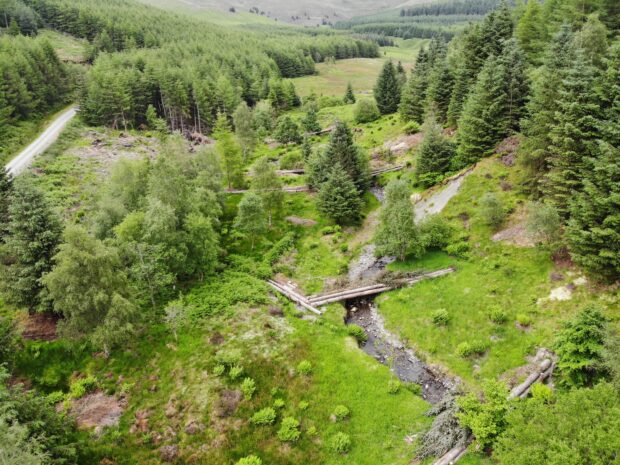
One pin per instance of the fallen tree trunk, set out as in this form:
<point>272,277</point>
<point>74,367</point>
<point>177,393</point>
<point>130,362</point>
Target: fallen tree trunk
<point>294,296</point>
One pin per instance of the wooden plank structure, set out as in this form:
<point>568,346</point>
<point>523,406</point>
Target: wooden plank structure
<point>293,295</point>
<point>543,372</point>
<point>284,189</point>
<point>373,173</point>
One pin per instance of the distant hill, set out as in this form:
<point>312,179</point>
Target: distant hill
<point>304,12</point>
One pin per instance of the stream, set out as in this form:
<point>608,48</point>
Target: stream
<point>382,345</point>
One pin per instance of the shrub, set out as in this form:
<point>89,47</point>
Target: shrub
<point>542,393</point>
<point>250,460</point>
<point>219,370</point>
<point>458,249</point>
<point>289,430</point>
<point>412,128</point>
<point>492,210</point>
<point>441,317</point>
<point>287,131</point>
<point>358,333</point>
<point>498,316</point>
<point>235,372</point>
<point>366,111</point>
<point>344,248</point>
<point>524,320</point>
<point>312,431</point>
<point>436,232</point>
<point>55,397</point>
<point>265,416</point>
<point>82,386</point>
<point>291,161</point>
<point>394,386</point>
<point>341,412</point>
<point>414,388</point>
<point>304,367</point>
<point>543,222</point>
<point>466,349</point>
<point>248,387</point>
<point>303,405</point>
<point>340,443</point>
<point>278,403</point>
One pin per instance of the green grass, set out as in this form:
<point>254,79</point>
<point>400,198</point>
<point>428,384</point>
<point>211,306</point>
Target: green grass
<point>67,47</point>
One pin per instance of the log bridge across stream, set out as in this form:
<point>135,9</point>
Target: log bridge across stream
<point>313,302</point>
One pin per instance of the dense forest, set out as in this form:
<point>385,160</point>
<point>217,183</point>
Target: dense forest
<point>156,277</point>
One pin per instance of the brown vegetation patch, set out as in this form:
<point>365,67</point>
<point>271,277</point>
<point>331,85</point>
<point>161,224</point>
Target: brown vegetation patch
<point>97,410</point>
<point>401,145</point>
<point>515,235</point>
<point>227,404</point>
<point>40,326</point>
<point>507,150</point>
<point>296,220</point>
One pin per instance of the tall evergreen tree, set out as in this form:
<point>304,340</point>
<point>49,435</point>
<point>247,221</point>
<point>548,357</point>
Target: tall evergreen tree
<point>342,150</point>
<point>339,198</point>
<point>306,149</point>
<point>572,134</point>
<point>516,84</point>
<point>434,157</point>
<point>414,93</point>
<point>397,233</point>
<point>34,232</point>
<point>6,189</point>
<point>439,91</point>
<point>387,89</point>
<point>531,32</point>
<point>310,121</point>
<point>349,96</point>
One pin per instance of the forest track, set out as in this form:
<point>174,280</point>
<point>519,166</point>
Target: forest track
<point>41,143</point>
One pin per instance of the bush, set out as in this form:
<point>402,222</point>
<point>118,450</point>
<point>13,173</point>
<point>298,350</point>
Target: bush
<point>436,232</point>
<point>341,412</point>
<point>279,403</point>
<point>358,333</point>
<point>303,405</point>
<point>291,161</point>
<point>498,316</point>
<point>235,372</point>
<point>543,222</point>
<point>304,367</point>
<point>248,387</point>
<point>366,111</point>
<point>441,317</point>
<point>524,320</point>
<point>219,370</point>
<point>312,431</point>
<point>466,349</point>
<point>287,131</point>
<point>458,249</point>
<point>414,388</point>
<point>82,386</point>
<point>344,248</point>
<point>542,393</point>
<point>394,386</point>
<point>492,210</point>
<point>289,430</point>
<point>412,128</point>
<point>340,443</point>
<point>250,460</point>
<point>264,416</point>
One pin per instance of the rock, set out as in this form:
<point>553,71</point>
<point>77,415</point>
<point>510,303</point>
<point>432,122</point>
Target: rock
<point>169,453</point>
<point>556,277</point>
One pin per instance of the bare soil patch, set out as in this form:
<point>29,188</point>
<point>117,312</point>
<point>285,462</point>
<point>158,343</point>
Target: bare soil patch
<point>40,327</point>
<point>402,144</point>
<point>507,150</point>
<point>97,410</point>
<point>296,220</point>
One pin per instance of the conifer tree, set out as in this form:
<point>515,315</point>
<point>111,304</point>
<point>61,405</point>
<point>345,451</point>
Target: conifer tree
<point>439,91</point>
<point>287,131</point>
<point>267,184</point>
<point>343,151</point>
<point>414,93</point>
<point>251,218</point>
<point>306,149</point>
<point>594,227</point>
<point>531,32</point>
<point>516,84</point>
<point>401,75</point>
<point>397,233</point>
<point>572,134</point>
<point>339,198</point>
<point>34,232</point>
<point>349,96</point>
<point>434,157</point>
<point>387,90</point>
<point>6,189</point>
<point>310,122</point>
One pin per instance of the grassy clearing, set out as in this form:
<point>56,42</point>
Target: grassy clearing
<point>67,47</point>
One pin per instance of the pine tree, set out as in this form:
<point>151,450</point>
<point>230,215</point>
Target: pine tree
<point>306,149</point>
<point>244,129</point>
<point>6,189</point>
<point>401,75</point>
<point>311,121</point>
<point>387,90</point>
<point>531,32</point>
<point>516,83</point>
<point>267,184</point>
<point>611,14</point>
<point>414,93</point>
<point>397,233</point>
<point>339,198</point>
<point>251,218</point>
<point>593,230</point>
<point>484,120</point>
<point>434,157</point>
<point>287,131</point>
<point>342,150</point>
<point>439,91</point>
<point>572,134</point>
<point>349,96</point>
<point>543,107</point>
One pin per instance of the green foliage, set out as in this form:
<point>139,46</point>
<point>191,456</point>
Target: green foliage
<point>486,419</point>
<point>235,372</point>
<point>441,317</point>
<point>397,233</point>
<point>340,443</point>
<point>304,368</point>
<point>498,316</point>
<point>244,129</point>
<point>310,121</point>
<point>248,387</point>
<point>467,349</point>
<point>289,430</point>
<point>579,427</point>
<point>542,393</point>
<point>341,412</point>
<point>279,403</point>
<point>413,99</point>
<point>338,197</point>
<point>524,320</point>
<point>229,151</point>
<point>579,346</point>
<point>250,460</point>
<point>492,210</point>
<point>436,232</point>
<point>357,332</point>
<point>266,416</point>
<point>82,386</point>
<point>349,96</point>
<point>343,150</point>
<point>8,341</point>
<point>287,131</point>
<point>33,235</point>
<point>394,386</point>
<point>387,89</point>
<point>434,157</point>
<point>366,111</point>
<point>267,184</point>
<point>543,223</point>
<point>251,218</point>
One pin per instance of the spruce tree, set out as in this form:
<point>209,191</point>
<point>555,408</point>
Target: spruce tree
<point>484,120</point>
<point>434,157</point>
<point>593,230</point>
<point>6,189</point>
<point>387,90</point>
<point>414,93</point>
<point>531,32</point>
<point>342,150</point>
<point>516,84</point>
<point>397,233</point>
<point>306,149</point>
<point>34,232</point>
<point>349,96</point>
<point>339,198</point>
<point>287,131</point>
<point>310,122</point>
<point>439,91</point>
<point>572,134</point>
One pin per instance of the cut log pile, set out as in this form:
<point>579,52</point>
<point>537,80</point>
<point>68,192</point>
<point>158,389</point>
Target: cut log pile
<point>284,189</point>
